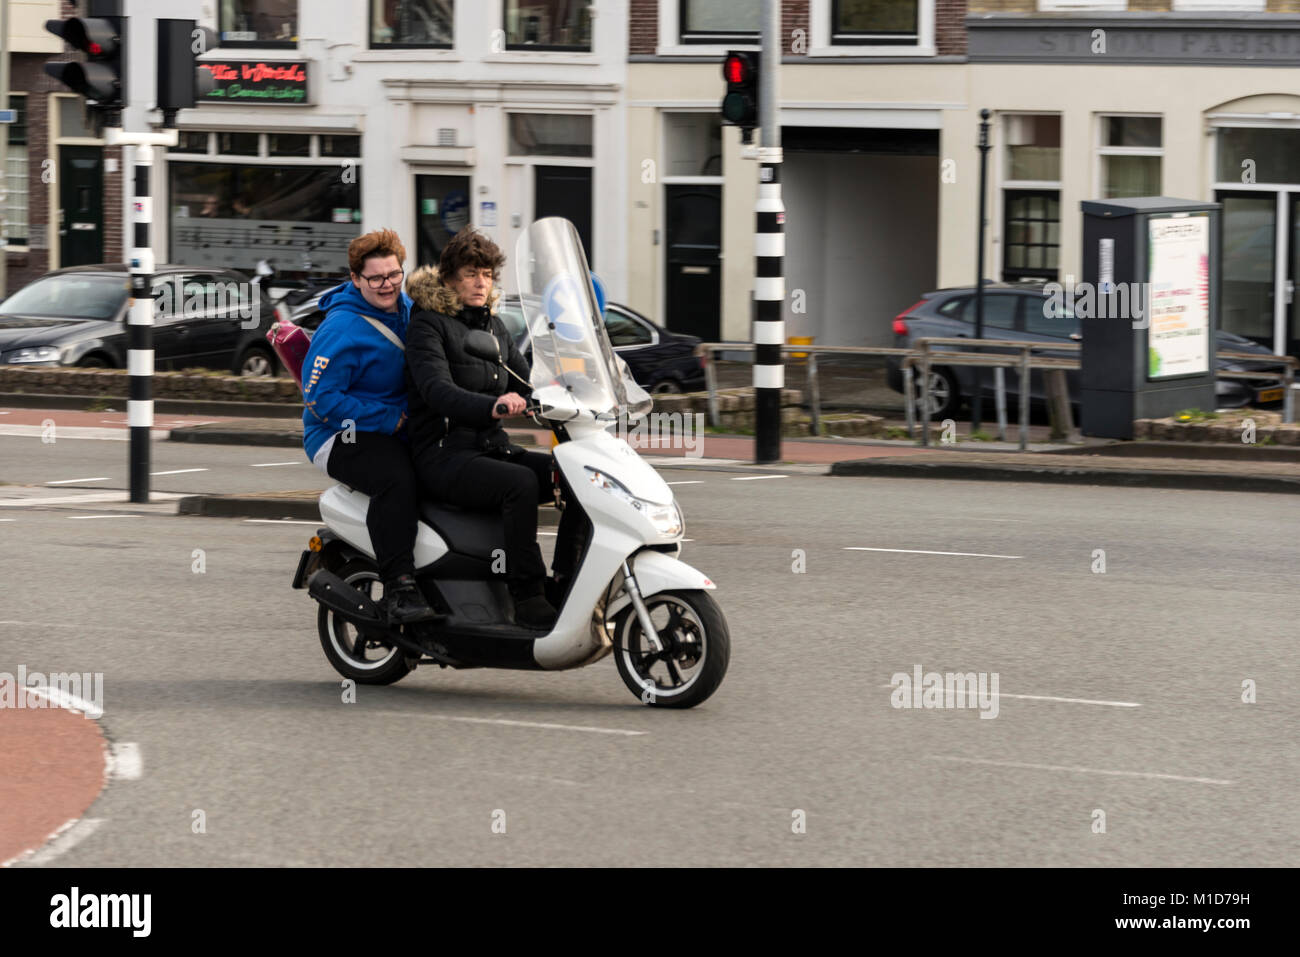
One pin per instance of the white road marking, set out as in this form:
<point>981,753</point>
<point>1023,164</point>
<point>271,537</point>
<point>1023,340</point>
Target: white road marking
<point>73,518</point>
<point>100,478</point>
<point>126,763</point>
<point>972,519</point>
<point>515,724</point>
<point>755,478</point>
<point>268,465</point>
<point>94,497</point>
<point>692,482</point>
<point>63,699</point>
<point>58,843</point>
<point>653,459</point>
<point>278,521</point>
<point>82,432</point>
<point>177,471</point>
<point>1047,697</point>
<point>916,551</point>
<point>1061,767</point>
<point>8,519</point>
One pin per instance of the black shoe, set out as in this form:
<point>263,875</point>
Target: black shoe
<point>555,589</point>
<point>535,612</point>
<point>404,602</point>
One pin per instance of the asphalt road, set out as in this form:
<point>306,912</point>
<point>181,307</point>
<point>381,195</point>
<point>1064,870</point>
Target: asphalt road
<point>1119,691</point>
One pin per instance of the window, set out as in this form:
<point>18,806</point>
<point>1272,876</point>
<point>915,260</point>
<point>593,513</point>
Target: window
<point>1269,155</point>
<point>548,24</point>
<point>237,144</point>
<point>1130,153</point>
<point>288,144</point>
<point>999,310</point>
<point>1061,323</point>
<point>411,23</point>
<point>1031,195</point>
<point>15,175</point>
<point>625,331</point>
<point>1033,234</point>
<point>189,141</point>
<point>1033,144</point>
<point>875,21</point>
<point>259,23</point>
<point>340,145</point>
<point>719,21</point>
<point>549,134</point>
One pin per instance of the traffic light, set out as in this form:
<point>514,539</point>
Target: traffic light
<point>740,104</point>
<point>100,77</point>
<point>181,81</point>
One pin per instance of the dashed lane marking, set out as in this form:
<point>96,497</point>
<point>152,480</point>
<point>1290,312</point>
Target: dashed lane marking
<point>101,478</point>
<point>1077,770</point>
<point>917,551</point>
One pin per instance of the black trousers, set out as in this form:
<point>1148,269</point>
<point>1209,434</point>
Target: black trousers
<point>512,486</point>
<point>380,466</point>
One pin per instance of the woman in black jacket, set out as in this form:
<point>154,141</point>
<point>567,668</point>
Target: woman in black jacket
<point>461,452</point>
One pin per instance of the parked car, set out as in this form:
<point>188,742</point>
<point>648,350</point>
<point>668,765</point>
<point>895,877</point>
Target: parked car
<point>209,318</point>
<point>1016,311</point>
<point>661,361</point>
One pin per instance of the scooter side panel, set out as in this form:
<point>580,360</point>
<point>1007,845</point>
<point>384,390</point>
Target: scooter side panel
<point>344,511</point>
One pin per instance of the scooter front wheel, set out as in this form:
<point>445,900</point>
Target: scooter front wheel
<point>695,649</point>
<point>366,661</point>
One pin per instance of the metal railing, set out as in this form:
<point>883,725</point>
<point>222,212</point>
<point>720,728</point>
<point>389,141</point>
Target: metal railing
<point>924,357</point>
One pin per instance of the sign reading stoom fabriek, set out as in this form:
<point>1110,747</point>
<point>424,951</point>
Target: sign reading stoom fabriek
<point>1178,277</point>
<point>256,81</point>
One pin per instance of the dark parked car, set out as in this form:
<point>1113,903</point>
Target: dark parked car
<point>661,361</point>
<point>1016,311</point>
<point>209,318</point>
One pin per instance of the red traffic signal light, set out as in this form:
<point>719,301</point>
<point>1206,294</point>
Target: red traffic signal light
<point>740,103</point>
<point>99,79</point>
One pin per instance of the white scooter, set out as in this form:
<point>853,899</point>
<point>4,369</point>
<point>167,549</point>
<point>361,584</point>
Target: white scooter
<point>629,593</point>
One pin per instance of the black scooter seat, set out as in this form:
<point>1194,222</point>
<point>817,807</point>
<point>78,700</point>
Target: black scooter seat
<point>467,532</point>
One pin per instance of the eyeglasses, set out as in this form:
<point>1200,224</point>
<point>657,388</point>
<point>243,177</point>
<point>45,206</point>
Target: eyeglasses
<point>377,281</point>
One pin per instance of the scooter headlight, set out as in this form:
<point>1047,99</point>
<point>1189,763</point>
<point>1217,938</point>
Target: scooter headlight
<point>666,519</point>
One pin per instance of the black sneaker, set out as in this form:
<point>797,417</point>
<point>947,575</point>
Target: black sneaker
<point>404,602</point>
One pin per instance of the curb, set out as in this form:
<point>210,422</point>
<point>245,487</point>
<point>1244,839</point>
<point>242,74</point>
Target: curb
<point>205,436</point>
<point>1200,481</point>
<point>299,509</point>
<point>235,410</point>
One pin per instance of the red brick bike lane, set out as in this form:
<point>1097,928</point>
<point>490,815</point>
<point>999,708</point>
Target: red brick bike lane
<point>69,418</point>
<point>53,765</point>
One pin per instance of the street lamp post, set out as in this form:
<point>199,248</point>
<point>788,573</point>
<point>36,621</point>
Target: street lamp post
<point>979,269</point>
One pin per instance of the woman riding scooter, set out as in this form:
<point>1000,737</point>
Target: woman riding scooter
<point>461,452</point>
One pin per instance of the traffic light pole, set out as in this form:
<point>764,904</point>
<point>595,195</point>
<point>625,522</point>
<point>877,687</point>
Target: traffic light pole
<point>139,330</point>
<point>769,252</point>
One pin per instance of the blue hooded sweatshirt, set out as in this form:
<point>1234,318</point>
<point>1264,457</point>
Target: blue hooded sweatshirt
<point>351,370</point>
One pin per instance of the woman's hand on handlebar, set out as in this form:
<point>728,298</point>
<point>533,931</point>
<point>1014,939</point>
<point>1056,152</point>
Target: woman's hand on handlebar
<point>512,403</point>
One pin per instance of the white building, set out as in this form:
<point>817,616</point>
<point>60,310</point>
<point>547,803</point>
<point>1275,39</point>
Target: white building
<point>334,117</point>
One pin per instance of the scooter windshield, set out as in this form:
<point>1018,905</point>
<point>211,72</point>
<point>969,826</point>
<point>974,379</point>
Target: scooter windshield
<point>574,367</point>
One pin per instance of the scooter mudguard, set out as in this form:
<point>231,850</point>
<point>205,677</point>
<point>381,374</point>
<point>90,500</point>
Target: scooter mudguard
<point>656,572</point>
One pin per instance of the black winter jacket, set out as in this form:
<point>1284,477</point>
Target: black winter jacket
<point>452,394</point>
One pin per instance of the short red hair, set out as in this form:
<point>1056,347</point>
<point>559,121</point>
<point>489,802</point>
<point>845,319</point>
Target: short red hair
<point>381,242</point>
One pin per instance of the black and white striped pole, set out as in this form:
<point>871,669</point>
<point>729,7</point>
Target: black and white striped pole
<point>139,328</point>
<point>769,251</point>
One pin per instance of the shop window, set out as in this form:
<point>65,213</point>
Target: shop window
<point>550,134</point>
<point>259,23</point>
<point>548,24</point>
<point>238,144</point>
<point>411,23</point>
<point>288,144</point>
<point>1130,153</point>
<point>1258,155</point>
<point>190,141</point>
<point>331,145</point>
<point>15,174</point>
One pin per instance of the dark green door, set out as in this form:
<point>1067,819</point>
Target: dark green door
<point>81,201</point>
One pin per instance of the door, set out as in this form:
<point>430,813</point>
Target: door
<point>1249,251</point>
<point>566,191</point>
<point>693,266</point>
<point>441,211</point>
<point>81,204</point>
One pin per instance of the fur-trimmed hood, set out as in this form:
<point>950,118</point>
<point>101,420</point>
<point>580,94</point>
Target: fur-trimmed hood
<point>427,291</point>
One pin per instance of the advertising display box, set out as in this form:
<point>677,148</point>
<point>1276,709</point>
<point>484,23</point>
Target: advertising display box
<point>1148,310</point>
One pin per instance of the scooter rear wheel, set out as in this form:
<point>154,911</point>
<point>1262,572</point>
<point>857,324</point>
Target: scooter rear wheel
<point>696,649</point>
<point>367,661</point>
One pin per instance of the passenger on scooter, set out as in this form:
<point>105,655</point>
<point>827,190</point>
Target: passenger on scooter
<point>461,451</point>
<point>355,415</point>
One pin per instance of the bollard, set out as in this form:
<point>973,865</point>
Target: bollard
<point>1024,399</point>
<point>814,396</point>
<point>1000,397</point>
<point>909,400</point>
<point>711,383</point>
